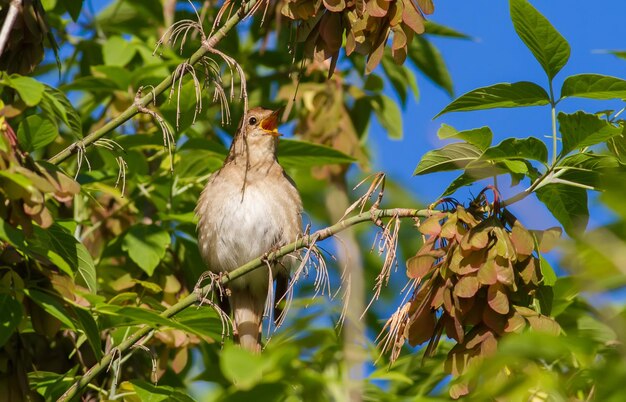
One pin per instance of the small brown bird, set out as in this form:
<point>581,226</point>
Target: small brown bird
<point>248,208</point>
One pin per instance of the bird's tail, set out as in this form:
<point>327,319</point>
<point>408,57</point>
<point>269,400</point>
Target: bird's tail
<point>248,314</point>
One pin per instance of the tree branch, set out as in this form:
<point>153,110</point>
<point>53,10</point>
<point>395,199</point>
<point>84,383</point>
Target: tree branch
<point>159,89</point>
<point>372,215</point>
<point>9,20</point>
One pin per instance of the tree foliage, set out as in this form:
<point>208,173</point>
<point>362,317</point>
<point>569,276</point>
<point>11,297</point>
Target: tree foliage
<point>111,122</point>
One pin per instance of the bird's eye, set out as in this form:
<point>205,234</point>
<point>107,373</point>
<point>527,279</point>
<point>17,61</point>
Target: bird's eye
<point>252,121</point>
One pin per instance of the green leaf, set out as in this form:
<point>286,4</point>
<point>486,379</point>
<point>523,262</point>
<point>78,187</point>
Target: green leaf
<point>29,89</point>
<point>143,316</point>
<point>514,148</point>
<point>89,327</point>
<point>48,4</point>
<point>56,106</point>
<point>76,254</point>
<point>73,7</point>
<point>204,322</point>
<point>360,114</point>
<point>549,277</point>
<point>451,157</point>
<point>433,28</point>
<point>568,204</point>
<point>581,130</point>
<point>11,316</point>
<point>503,95</point>
<point>11,235</point>
<point>401,78</point>
<point>51,304</point>
<point>36,132</point>
<point>389,115</point>
<point>479,137</point>
<point>117,74</point>
<point>428,59</point>
<point>302,154</point>
<point>594,86</point>
<point>117,51</point>
<point>61,248</point>
<point>590,327</point>
<point>147,392</point>
<point>242,367</point>
<point>588,168</point>
<point>146,246</point>
<point>49,384</point>
<point>374,83</point>
<point>547,45</point>
<point>618,53</point>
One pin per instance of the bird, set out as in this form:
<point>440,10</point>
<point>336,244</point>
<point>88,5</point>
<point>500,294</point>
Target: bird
<point>249,207</point>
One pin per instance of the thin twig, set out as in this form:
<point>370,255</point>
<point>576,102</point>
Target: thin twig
<point>132,110</point>
<point>14,9</point>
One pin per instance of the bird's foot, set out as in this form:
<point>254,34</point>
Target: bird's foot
<point>270,257</point>
<point>215,283</point>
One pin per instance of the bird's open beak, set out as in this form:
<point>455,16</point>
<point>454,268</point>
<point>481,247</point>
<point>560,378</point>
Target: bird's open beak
<point>270,124</point>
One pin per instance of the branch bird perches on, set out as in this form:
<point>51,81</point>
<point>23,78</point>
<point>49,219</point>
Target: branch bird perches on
<point>374,215</point>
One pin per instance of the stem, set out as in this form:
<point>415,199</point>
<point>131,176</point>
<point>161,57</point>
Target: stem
<point>159,89</point>
<point>548,175</point>
<point>554,137</point>
<point>537,183</point>
<point>553,117</point>
<point>14,8</point>
<point>191,299</point>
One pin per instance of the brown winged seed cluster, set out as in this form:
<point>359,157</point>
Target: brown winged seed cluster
<point>367,25</point>
<point>478,274</point>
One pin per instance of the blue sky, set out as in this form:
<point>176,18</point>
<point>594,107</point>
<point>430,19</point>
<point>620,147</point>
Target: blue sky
<point>498,55</point>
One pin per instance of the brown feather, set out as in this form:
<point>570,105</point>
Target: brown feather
<point>248,208</point>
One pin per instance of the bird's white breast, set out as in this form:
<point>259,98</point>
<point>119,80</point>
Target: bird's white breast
<point>239,224</point>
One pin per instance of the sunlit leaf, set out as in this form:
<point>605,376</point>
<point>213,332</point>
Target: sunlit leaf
<point>581,130</point>
<point>56,106</point>
<point>118,51</point>
<point>146,246</point>
<point>549,277</point>
<point>242,367</point>
<point>514,148</point>
<point>302,154</point>
<point>29,89</point>
<point>432,28</point>
<point>594,86</point>
<point>588,168</point>
<point>161,393</point>
<point>568,204</point>
<point>499,96</point>
<point>547,45</point>
<point>451,157</point>
<point>479,137</point>
<point>53,305</point>
<point>36,132</point>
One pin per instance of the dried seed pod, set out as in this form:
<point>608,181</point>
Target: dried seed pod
<point>478,273</point>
